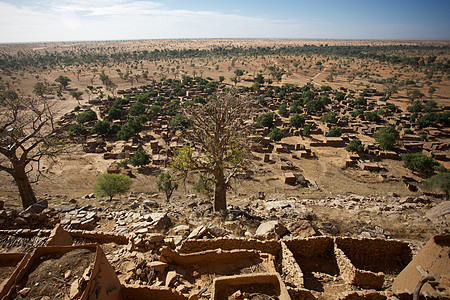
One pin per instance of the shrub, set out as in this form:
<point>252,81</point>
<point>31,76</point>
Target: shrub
<point>140,158</point>
<point>178,122</point>
<point>166,184</point>
<point>86,116</point>
<point>386,137</point>
<point>334,132</point>
<point>297,121</point>
<point>266,120</point>
<point>418,162</point>
<point>276,134</point>
<point>112,184</point>
<point>355,145</point>
<point>155,109</point>
<point>441,181</point>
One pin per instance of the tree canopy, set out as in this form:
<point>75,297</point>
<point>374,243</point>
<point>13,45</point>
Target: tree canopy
<point>27,134</point>
<point>387,137</point>
<point>219,134</point>
<point>112,184</point>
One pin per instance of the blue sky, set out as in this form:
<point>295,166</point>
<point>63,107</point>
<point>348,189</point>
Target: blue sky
<point>75,20</point>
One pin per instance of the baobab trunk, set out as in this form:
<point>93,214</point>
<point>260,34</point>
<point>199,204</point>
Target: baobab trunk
<point>25,190</point>
<point>220,193</point>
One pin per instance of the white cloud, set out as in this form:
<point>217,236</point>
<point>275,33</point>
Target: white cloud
<point>120,19</point>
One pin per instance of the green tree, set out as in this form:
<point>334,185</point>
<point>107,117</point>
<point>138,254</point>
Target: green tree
<point>430,106</point>
<point>440,181</point>
<point>40,89</point>
<point>415,95</point>
<point>334,132</point>
<point>140,158</point>
<point>355,145</point>
<point>330,118</point>
<point>115,112</point>
<point>76,95</point>
<point>372,116</point>
<point>112,184</point>
<point>259,79</point>
<point>155,109</point>
<point>387,137</point>
<point>166,184</point>
<point>137,109</point>
<point>219,131</point>
<point>178,122</point>
<point>282,110</point>
<point>78,129</point>
<point>265,120</point>
<point>416,107</point>
<point>63,81</point>
<point>276,134</point>
<point>418,162</point>
<point>125,132</point>
<point>86,116</point>
<point>306,130</point>
<point>339,96</point>
<point>297,121</point>
<point>101,127</point>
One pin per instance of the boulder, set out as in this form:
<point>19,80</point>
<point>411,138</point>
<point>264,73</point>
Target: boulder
<point>302,229</point>
<point>155,237</point>
<point>37,207</point>
<point>439,210</point>
<point>198,232</point>
<point>270,230</point>
<point>150,203</point>
<point>59,237</point>
<point>159,220</point>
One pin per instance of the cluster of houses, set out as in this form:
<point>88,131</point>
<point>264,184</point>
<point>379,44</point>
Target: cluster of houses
<point>163,141</point>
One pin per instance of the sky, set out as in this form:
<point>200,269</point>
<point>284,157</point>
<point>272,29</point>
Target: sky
<point>99,20</point>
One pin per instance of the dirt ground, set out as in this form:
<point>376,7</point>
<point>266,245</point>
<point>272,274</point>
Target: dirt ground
<point>44,279</point>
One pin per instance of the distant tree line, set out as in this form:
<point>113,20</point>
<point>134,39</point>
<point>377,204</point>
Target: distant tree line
<point>386,53</point>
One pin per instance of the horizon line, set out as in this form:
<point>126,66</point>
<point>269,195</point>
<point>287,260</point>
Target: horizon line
<point>219,38</point>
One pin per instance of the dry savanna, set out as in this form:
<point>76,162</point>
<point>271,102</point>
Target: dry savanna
<point>144,146</point>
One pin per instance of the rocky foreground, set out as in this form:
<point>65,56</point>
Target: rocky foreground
<point>182,246</point>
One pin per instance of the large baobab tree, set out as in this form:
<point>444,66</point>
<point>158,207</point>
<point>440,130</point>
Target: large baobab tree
<point>219,131</point>
<point>27,134</point>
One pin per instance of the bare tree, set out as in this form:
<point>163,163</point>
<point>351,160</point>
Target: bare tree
<point>27,134</point>
<point>218,129</point>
